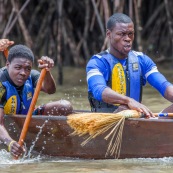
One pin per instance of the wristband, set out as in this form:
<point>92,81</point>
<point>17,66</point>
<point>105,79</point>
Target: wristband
<point>9,146</point>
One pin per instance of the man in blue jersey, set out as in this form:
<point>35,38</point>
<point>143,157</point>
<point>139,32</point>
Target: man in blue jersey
<point>17,83</point>
<point>115,77</point>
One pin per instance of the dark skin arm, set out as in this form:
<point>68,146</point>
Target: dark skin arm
<point>48,85</point>
<point>169,93</point>
<point>15,149</point>
<point>112,97</point>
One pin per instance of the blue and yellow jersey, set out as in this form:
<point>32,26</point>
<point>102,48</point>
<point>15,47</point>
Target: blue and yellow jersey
<point>125,76</point>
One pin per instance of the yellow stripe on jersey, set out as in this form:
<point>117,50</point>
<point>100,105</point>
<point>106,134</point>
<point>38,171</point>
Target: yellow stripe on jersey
<point>11,105</point>
<point>118,79</point>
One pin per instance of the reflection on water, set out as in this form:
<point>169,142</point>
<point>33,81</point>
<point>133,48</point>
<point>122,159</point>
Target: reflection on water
<point>75,90</point>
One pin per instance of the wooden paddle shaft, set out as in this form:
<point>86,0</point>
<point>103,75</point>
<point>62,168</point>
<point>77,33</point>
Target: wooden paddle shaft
<point>6,53</point>
<point>31,108</point>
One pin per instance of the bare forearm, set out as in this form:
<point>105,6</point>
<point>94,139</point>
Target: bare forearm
<point>14,148</point>
<point>49,85</point>
<point>169,93</point>
<point>111,97</point>
<point>4,136</point>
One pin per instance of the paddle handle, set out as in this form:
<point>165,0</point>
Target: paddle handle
<point>155,114</point>
<point>136,114</point>
<point>163,114</point>
<point>31,108</point>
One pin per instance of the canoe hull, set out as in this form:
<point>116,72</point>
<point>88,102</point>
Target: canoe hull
<point>51,136</point>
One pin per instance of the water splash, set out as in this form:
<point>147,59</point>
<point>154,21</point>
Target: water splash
<point>6,159</point>
<point>36,139</point>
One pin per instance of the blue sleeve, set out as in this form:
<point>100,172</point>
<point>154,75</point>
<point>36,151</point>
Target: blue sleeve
<point>97,77</point>
<point>97,84</point>
<point>147,65</point>
<point>154,78</point>
<point>159,82</point>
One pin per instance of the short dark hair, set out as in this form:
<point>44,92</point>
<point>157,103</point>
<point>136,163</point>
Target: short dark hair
<point>118,18</point>
<point>20,51</point>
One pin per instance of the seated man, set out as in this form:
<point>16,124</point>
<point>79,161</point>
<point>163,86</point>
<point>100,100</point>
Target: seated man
<point>116,76</point>
<point>17,83</point>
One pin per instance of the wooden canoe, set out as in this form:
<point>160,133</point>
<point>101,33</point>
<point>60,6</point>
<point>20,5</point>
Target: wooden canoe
<point>142,138</point>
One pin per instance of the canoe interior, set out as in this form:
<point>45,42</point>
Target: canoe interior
<point>51,136</point>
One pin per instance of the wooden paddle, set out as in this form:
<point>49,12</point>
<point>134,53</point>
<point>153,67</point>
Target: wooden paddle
<point>6,53</point>
<point>32,106</point>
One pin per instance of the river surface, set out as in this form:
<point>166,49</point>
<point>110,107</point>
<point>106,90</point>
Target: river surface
<point>74,89</point>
